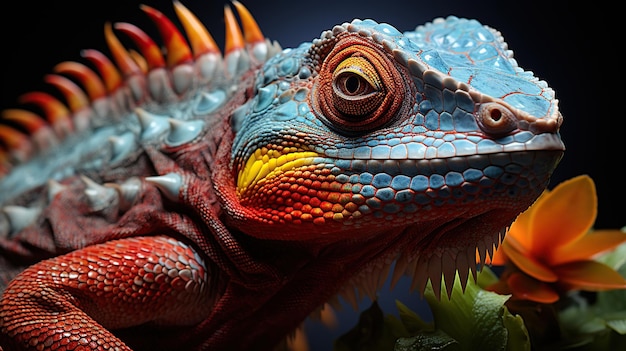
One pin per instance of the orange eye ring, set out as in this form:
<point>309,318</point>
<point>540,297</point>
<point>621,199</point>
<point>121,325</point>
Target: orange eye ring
<point>359,87</point>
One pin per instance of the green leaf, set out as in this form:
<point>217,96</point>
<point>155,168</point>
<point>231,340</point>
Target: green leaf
<point>485,278</point>
<point>518,338</point>
<point>475,318</point>
<point>411,320</point>
<point>615,258</point>
<point>618,325</point>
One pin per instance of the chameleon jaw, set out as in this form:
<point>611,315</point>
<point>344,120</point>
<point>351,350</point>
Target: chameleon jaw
<point>336,194</point>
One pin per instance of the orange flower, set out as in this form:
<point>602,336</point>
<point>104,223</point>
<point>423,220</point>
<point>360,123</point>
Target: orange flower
<point>549,249</point>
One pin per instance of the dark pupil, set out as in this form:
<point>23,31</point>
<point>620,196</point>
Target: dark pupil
<point>352,84</point>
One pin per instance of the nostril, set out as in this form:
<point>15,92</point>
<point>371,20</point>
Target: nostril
<point>496,119</point>
<point>496,114</point>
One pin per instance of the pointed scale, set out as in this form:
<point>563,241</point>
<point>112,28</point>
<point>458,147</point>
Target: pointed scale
<point>30,121</point>
<point>55,111</point>
<point>110,75</point>
<point>75,98</point>
<point>251,30</point>
<point>139,60</point>
<point>17,144</point>
<point>41,134</point>
<point>199,37</point>
<point>234,38</point>
<point>178,51</point>
<point>148,48</point>
<point>91,82</point>
<point>124,61</point>
<point>74,95</point>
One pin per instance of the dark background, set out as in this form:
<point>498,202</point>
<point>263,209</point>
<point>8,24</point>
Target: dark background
<point>573,46</point>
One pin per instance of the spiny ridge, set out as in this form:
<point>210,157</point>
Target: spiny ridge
<point>439,269</point>
<point>118,86</point>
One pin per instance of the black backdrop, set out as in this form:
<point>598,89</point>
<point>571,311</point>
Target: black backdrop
<point>573,46</point>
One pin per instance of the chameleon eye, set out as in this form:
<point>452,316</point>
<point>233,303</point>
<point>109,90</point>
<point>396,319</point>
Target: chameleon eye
<point>359,88</point>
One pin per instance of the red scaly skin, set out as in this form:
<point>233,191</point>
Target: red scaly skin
<point>119,284</point>
<point>192,241</point>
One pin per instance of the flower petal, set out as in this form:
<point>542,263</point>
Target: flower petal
<point>586,247</point>
<point>589,275</point>
<point>526,288</point>
<point>527,263</point>
<point>497,259</point>
<point>563,215</point>
<point>521,229</point>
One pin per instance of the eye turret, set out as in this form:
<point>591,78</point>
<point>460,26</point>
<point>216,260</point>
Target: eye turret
<point>359,87</point>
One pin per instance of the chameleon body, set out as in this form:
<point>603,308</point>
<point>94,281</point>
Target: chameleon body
<point>192,200</point>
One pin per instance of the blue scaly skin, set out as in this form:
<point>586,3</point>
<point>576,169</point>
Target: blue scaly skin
<point>220,200</point>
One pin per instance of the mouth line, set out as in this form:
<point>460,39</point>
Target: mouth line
<point>421,147</point>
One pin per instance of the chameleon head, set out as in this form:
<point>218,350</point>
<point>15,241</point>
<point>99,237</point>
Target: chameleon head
<point>376,130</point>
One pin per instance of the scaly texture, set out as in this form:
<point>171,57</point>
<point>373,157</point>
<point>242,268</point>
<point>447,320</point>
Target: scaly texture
<point>199,201</point>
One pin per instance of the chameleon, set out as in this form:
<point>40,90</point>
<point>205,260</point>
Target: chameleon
<point>180,196</point>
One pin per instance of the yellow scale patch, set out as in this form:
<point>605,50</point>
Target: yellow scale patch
<point>266,164</point>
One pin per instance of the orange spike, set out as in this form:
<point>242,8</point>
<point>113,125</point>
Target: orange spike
<point>178,51</point>
<point>13,139</point>
<point>234,38</point>
<point>148,48</point>
<point>201,40</point>
<point>5,164</point>
<point>140,60</point>
<point>76,98</point>
<point>109,73</point>
<point>89,79</point>
<point>251,29</point>
<point>29,120</point>
<point>54,110</point>
<point>124,62</point>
